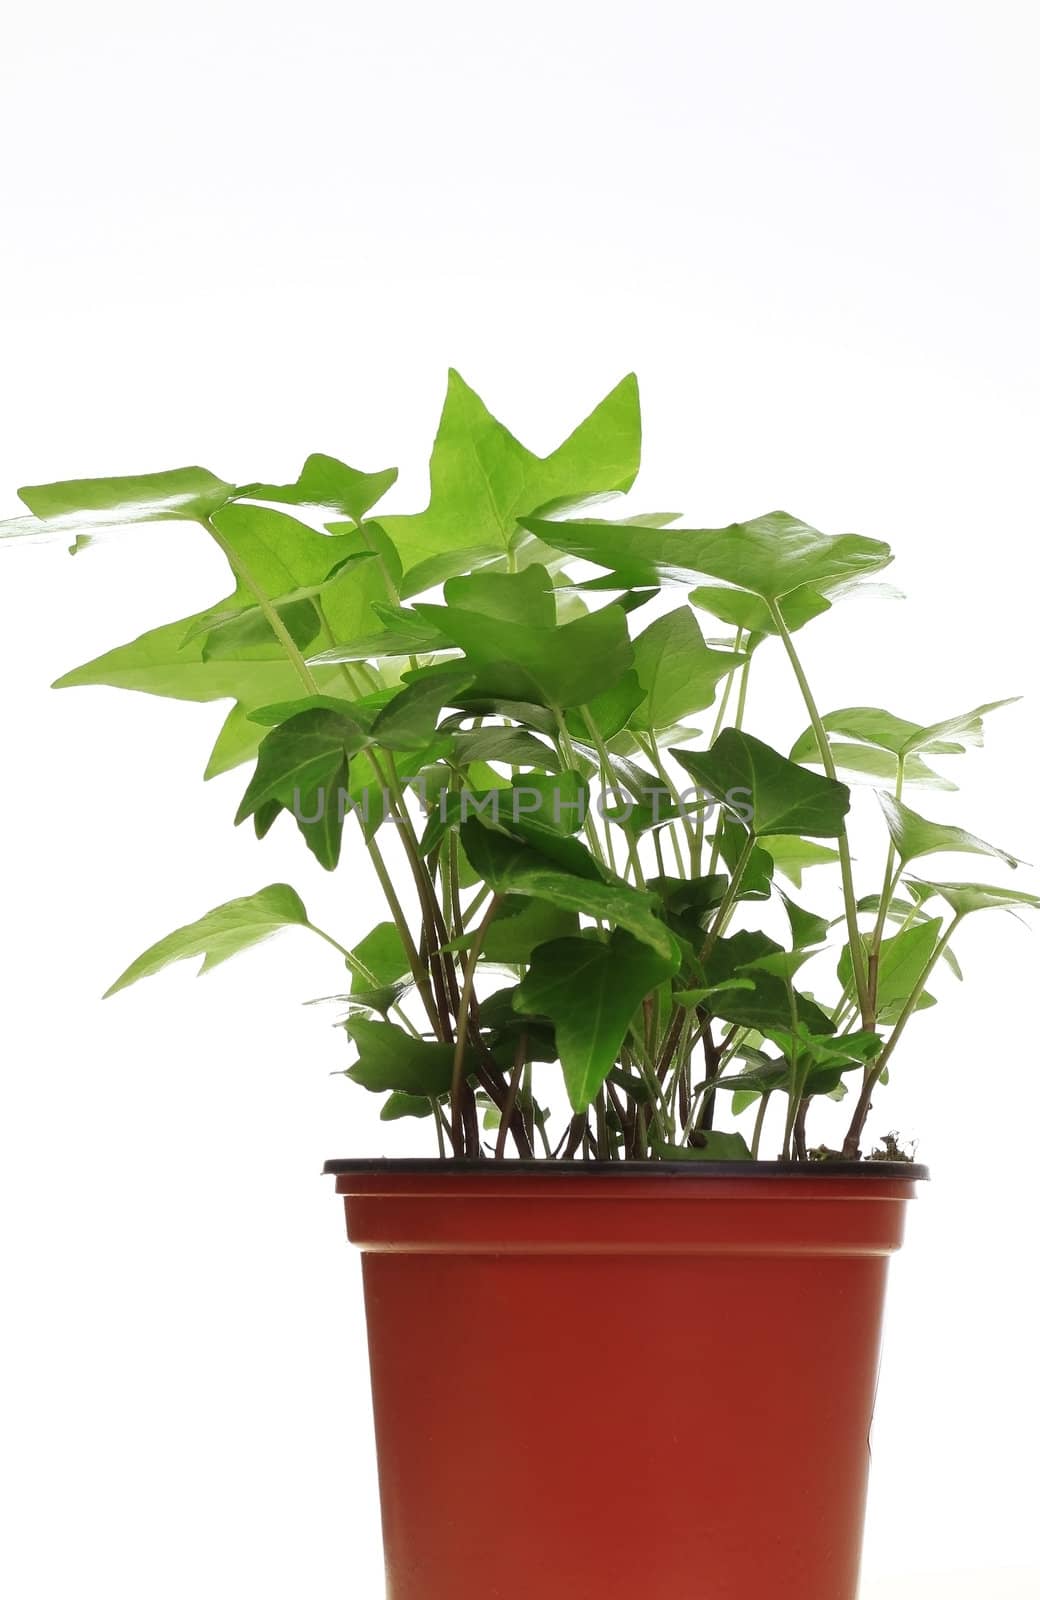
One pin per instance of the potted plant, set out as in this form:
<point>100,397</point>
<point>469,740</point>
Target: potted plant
<point>624,1322</point>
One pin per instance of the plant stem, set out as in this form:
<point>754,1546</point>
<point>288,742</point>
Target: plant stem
<point>468,979</point>
<point>653,749</point>
<point>756,1138</point>
<point>728,900</point>
<point>844,854</point>
<point>519,1060</point>
<point>606,784</point>
<point>738,722</point>
<point>888,887</point>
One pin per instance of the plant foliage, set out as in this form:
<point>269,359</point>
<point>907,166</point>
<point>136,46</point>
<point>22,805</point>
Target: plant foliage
<point>586,950</point>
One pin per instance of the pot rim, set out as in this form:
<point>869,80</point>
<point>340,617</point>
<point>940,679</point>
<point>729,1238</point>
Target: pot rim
<point>430,1166</point>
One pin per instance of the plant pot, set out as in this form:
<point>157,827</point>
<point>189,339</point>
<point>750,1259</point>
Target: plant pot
<point>623,1382</point>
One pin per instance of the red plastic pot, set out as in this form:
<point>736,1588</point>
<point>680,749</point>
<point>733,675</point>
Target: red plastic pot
<point>643,1382</point>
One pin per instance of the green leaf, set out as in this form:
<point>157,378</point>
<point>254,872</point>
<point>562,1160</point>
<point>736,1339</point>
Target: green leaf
<point>186,494</point>
<point>756,880</point>
<point>872,762</point>
<point>408,721</point>
<point>901,961</point>
<point>556,667</point>
<point>406,1105</point>
<point>747,611</point>
<point>610,710</point>
<point>382,953</point>
<point>793,857</point>
<point>590,991</point>
<point>697,997</point>
<point>227,636</point>
<point>870,725</point>
<point>572,882</point>
<point>767,793</point>
<point>391,1059</point>
<point>281,555</point>
<point>520,925</point>
<point>769,557</point>
<point>513,747</point>
<point>712,1145</point>
<point>807,929</point>
<point>324,481</point>
<point>482,480</point>
<point>768,1003</point>
<point>221,933</point>
<point>963,898</point>
<point>526,597</point>
<point>676,670</point>
<point>405,634</point>
<point>305,765</point>
<point>966,727</point>
<point>913,836</point>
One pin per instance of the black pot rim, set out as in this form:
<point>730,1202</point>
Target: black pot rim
<point>430,1165</point>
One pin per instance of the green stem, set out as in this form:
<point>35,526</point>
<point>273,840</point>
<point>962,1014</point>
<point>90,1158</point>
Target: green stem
<point>738,722</point>
<point>468,981</point>
<point>606,784</point>
<point>729,898</point>
<point>653,750</point>
<point>844,854</point>
<point>760,1119</point>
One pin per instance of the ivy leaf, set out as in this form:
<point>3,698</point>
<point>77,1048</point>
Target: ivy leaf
<point>677,670</point>
<point>482,480</point>
<point>382,953</point>
<point>966,727</point>
<point>742,610</point>
<point>756,882</point>
<point>872,726</point>
<point>571,881</point>
<point>712,1145</point>
<point>93,505</point>
<point>963,898</point>
<point>769,557</point>
<point>408,721</point>
<point>807,929</point>
<point>555,667</point>
<point>902,960</point>
<point>793,857</point>
<point>590,991</point>
<point>870,761</point>
<point>514,747</point>
<point>389,1059</point>
<point>769,794</point>
<point>405,634</point>
<point>304,764</point>
<point>698,997</point>
<point>768,1004</point>
<point>221,933</point>
<point>610,710</point>
<point>914,836</point>
<point>281,555</point>
<point>526,596</point>
<point>324,481</point>
<point>400,1105</point>
<point>520,925</point>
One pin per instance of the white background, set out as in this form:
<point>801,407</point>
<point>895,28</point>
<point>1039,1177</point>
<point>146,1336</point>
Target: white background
<point>234,234</point>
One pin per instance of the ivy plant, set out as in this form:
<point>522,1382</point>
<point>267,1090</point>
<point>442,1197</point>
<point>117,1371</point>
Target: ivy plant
<point>595,941</point>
